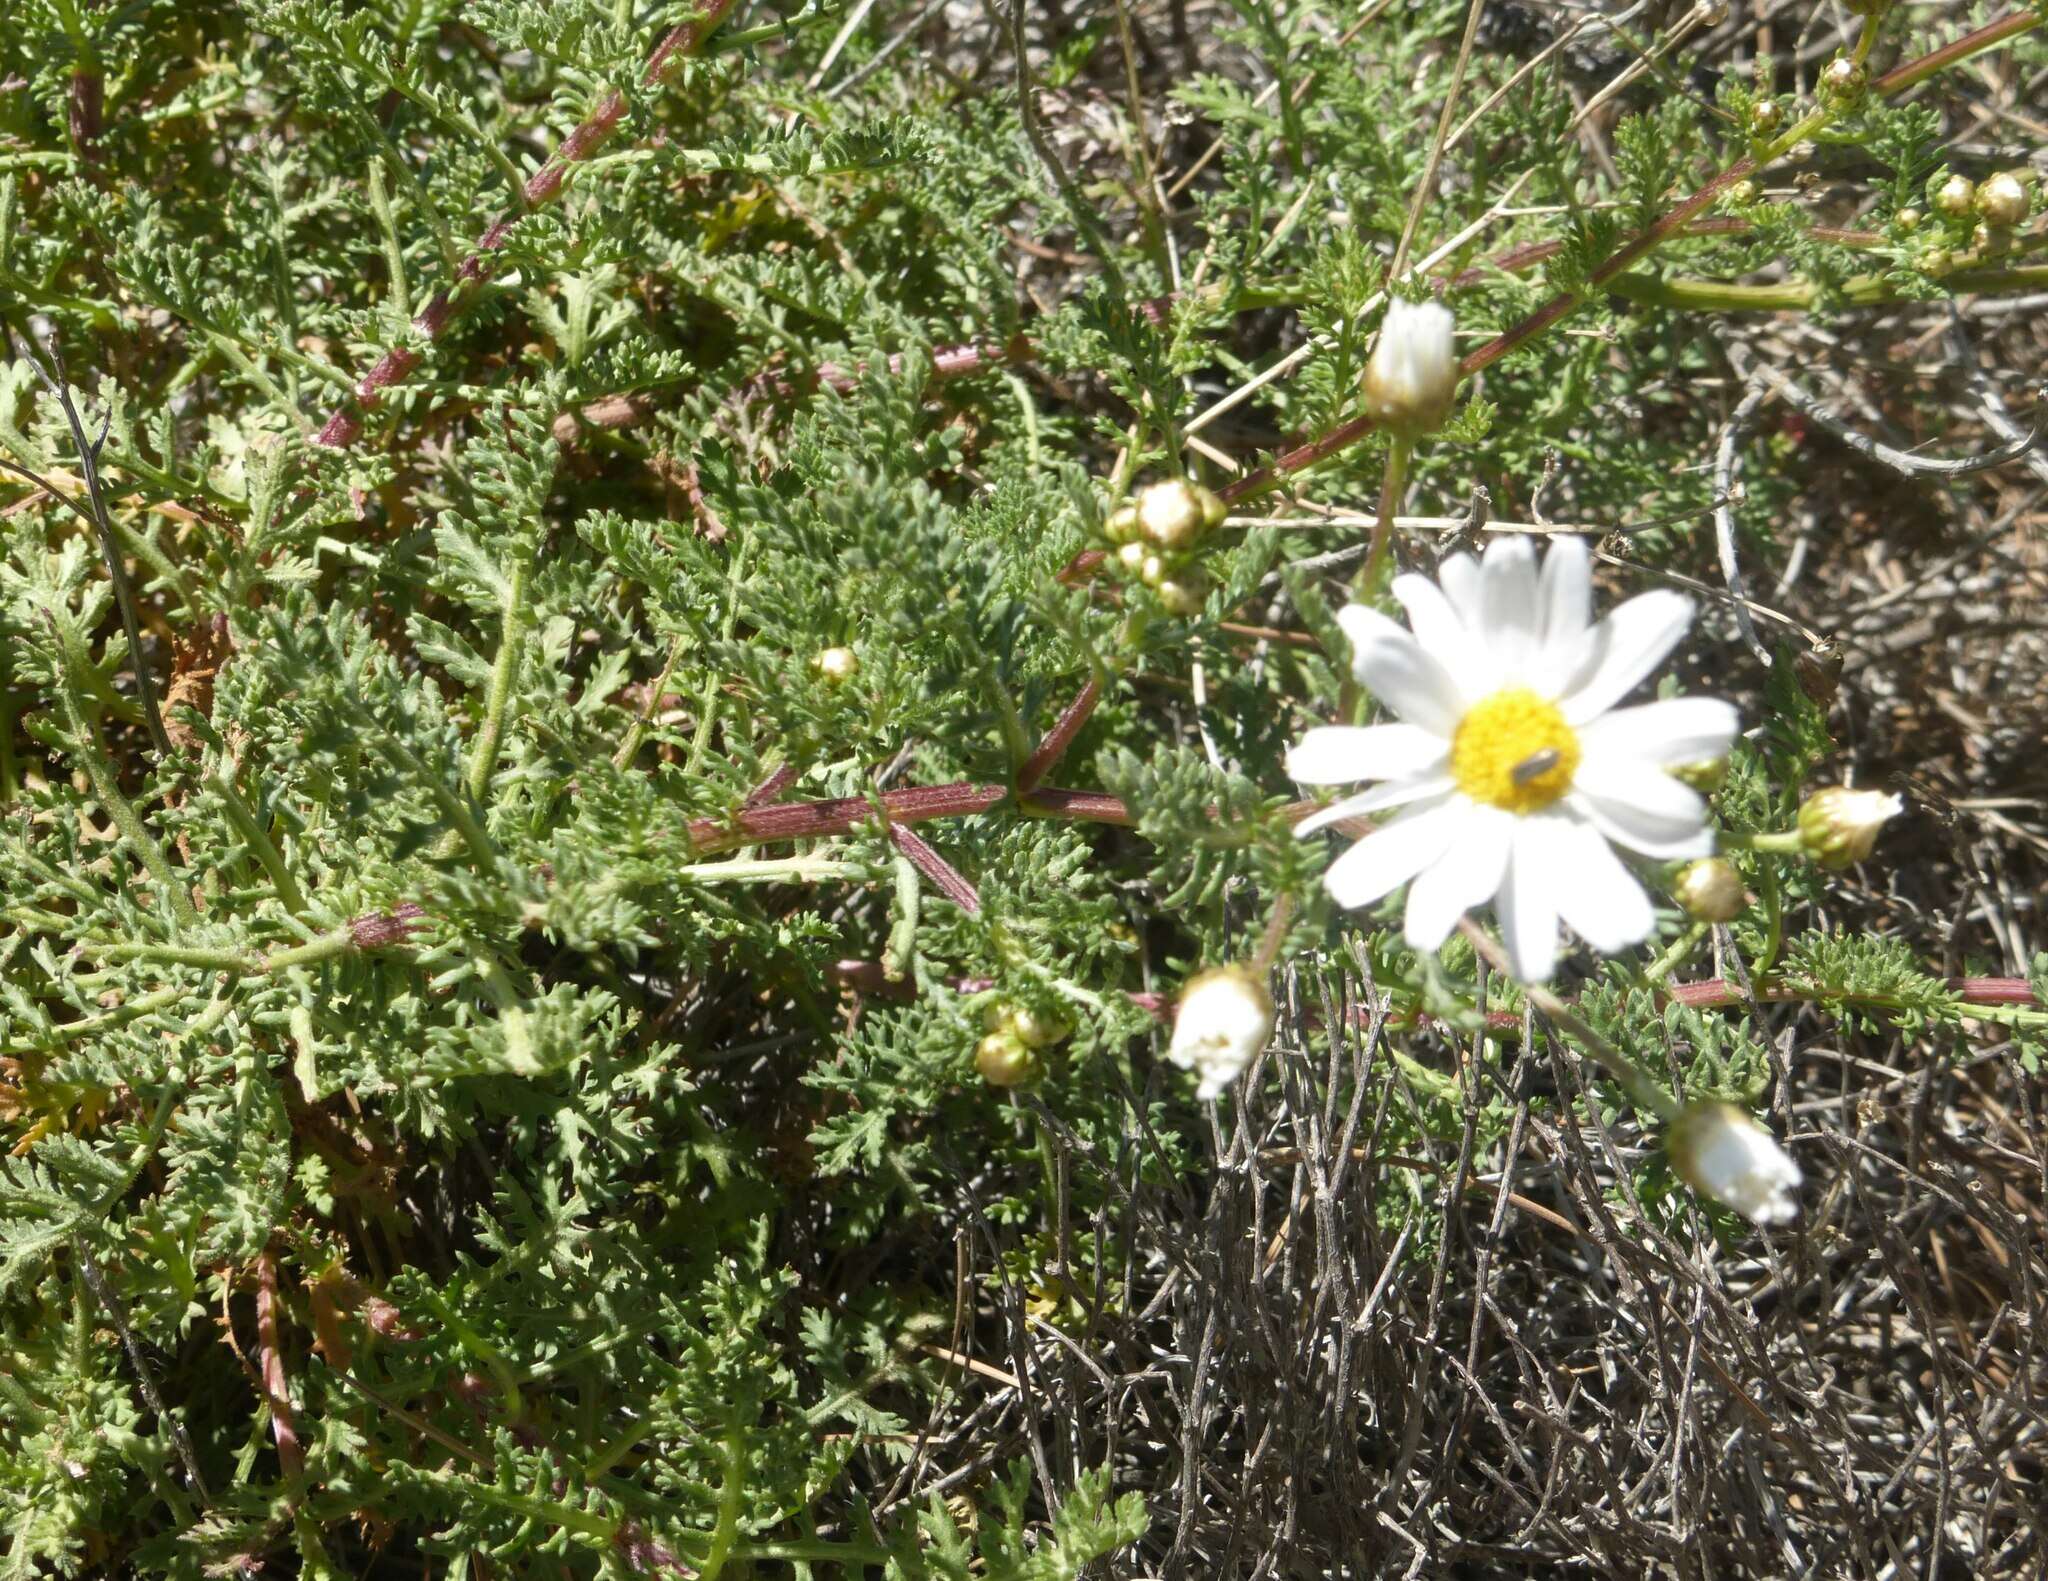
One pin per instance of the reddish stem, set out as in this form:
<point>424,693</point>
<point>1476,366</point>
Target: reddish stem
<point>344,426</point>
<point>1060,737</point>
<point>270,1364</point>
<point>953,884</point>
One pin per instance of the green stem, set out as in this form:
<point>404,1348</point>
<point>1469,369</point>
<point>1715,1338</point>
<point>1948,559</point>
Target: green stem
<point>483,758</point>
<point>785,870</point>
<point>707,706</point>
<point>1392,487</point>
<point>731,1496</point>
<point>636,733</point>
<point>1784,841</point>
<point>108,788</point>
<point>1681,950</point>
<point>259,843</point>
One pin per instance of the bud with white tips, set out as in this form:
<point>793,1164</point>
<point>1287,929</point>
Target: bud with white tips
<point>1956,196</point>
<point>1907,220</point>
<point>1224,1018</point>
<point>1183,595</point>
<point>1711,890</point>
<point>1413,375</point>
<point>1721,1152</point>
<point>2002,200</point>
<point>1842,78</point>
<point>1175,514</point>
<point>1839,826</point>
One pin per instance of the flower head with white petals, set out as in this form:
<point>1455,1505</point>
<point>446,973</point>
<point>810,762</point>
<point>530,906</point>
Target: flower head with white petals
<point>1514,771</point>
<point>1722,1151</point>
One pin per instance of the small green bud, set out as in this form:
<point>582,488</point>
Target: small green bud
<point>1132,557</point>
<point>1032,1028</point>
<point>1843,79</point>
<point>1711,890</point>
<point>1183,595</point>
<point>1005,1061</point>
<point>1766,116</point>
<point>1907,220</point>
<point>1122,525</point>
<point>836,666</point>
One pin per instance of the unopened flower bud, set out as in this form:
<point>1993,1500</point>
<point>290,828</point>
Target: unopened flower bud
<point>1152,570</point>
<point>836,665</point>
<point>1175,515</point>
<point>1224,1018</point>
<point>1842,78</point>
<point>1132,557</point>
<point>1723,1153</point>
<point>1766,116</point>
<point>1907,220</point>
<point>1711,890</point>
<point>1183,595</point>
<point>1004,1060</point>
<point>1956,196</point>
<point>1839,826</point>
<point>1936,261</point>
<point>1032,1028</point>
<point>2002,200</point>
<point>1742,194</point>
<point>1413,375</point>
<point>1122,525</point>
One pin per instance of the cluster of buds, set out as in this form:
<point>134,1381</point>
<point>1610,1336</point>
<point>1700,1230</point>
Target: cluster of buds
<point>1011,1052</point>
<point>1158,535</point>
<point>1222,1022</point>
<point>1838,826</point>
<point>1721,1152</point>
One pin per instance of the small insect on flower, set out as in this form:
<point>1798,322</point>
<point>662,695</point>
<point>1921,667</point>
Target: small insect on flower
<point>1515,772</point>
<point>1724,1154</point>
<point>1413,375</point>
<point>1224,1018</point>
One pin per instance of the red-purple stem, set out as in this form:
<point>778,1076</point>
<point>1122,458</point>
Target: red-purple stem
<point>1060,737</point>
<point>952,883</point>
<point>345,425</point>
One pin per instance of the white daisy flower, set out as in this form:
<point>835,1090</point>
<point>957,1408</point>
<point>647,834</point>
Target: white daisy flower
<point>1511,763</point>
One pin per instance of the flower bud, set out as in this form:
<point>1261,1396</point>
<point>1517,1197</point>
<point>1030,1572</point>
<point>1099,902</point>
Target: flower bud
<point>1711,890</point>
<point>1224,1018</point>
<point>1122,525</point>
<point>1838,826</point>
<point>2003,200</point>
<point>836,666</point>
<point>1766,116</point>
<point>1183,595</point>
<point>1956,196</point>
<point>1005,1061</point>
<point>1907,220</point>
<point>1175,515</point>
<point>1705,776</point>
<point>1413,374</point>
<point>1721,1152</point>
<point>1842,78</point>
<point>1032,1028</point>
<point>1936,261</point>
<point>1152,569</point>
<point>1743,194</point>
<point>1132,557</point>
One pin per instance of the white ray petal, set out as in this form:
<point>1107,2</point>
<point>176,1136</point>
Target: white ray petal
<point>1527,902</point>
<point>1468,873</point>
<point>1566,593</point>
<point>1669,733</point>
<point>1444,635</point>
<point>1603,903</point>
<point>1650,833</point>
<point>1391,664</point>
<point>1345,754</point>
<point>1396,793</point>
<point>1511,622</point>
<point>1622,649</point>
<point>1387,858</point>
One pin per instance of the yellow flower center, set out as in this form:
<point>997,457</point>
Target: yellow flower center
<point>1514,750</point>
